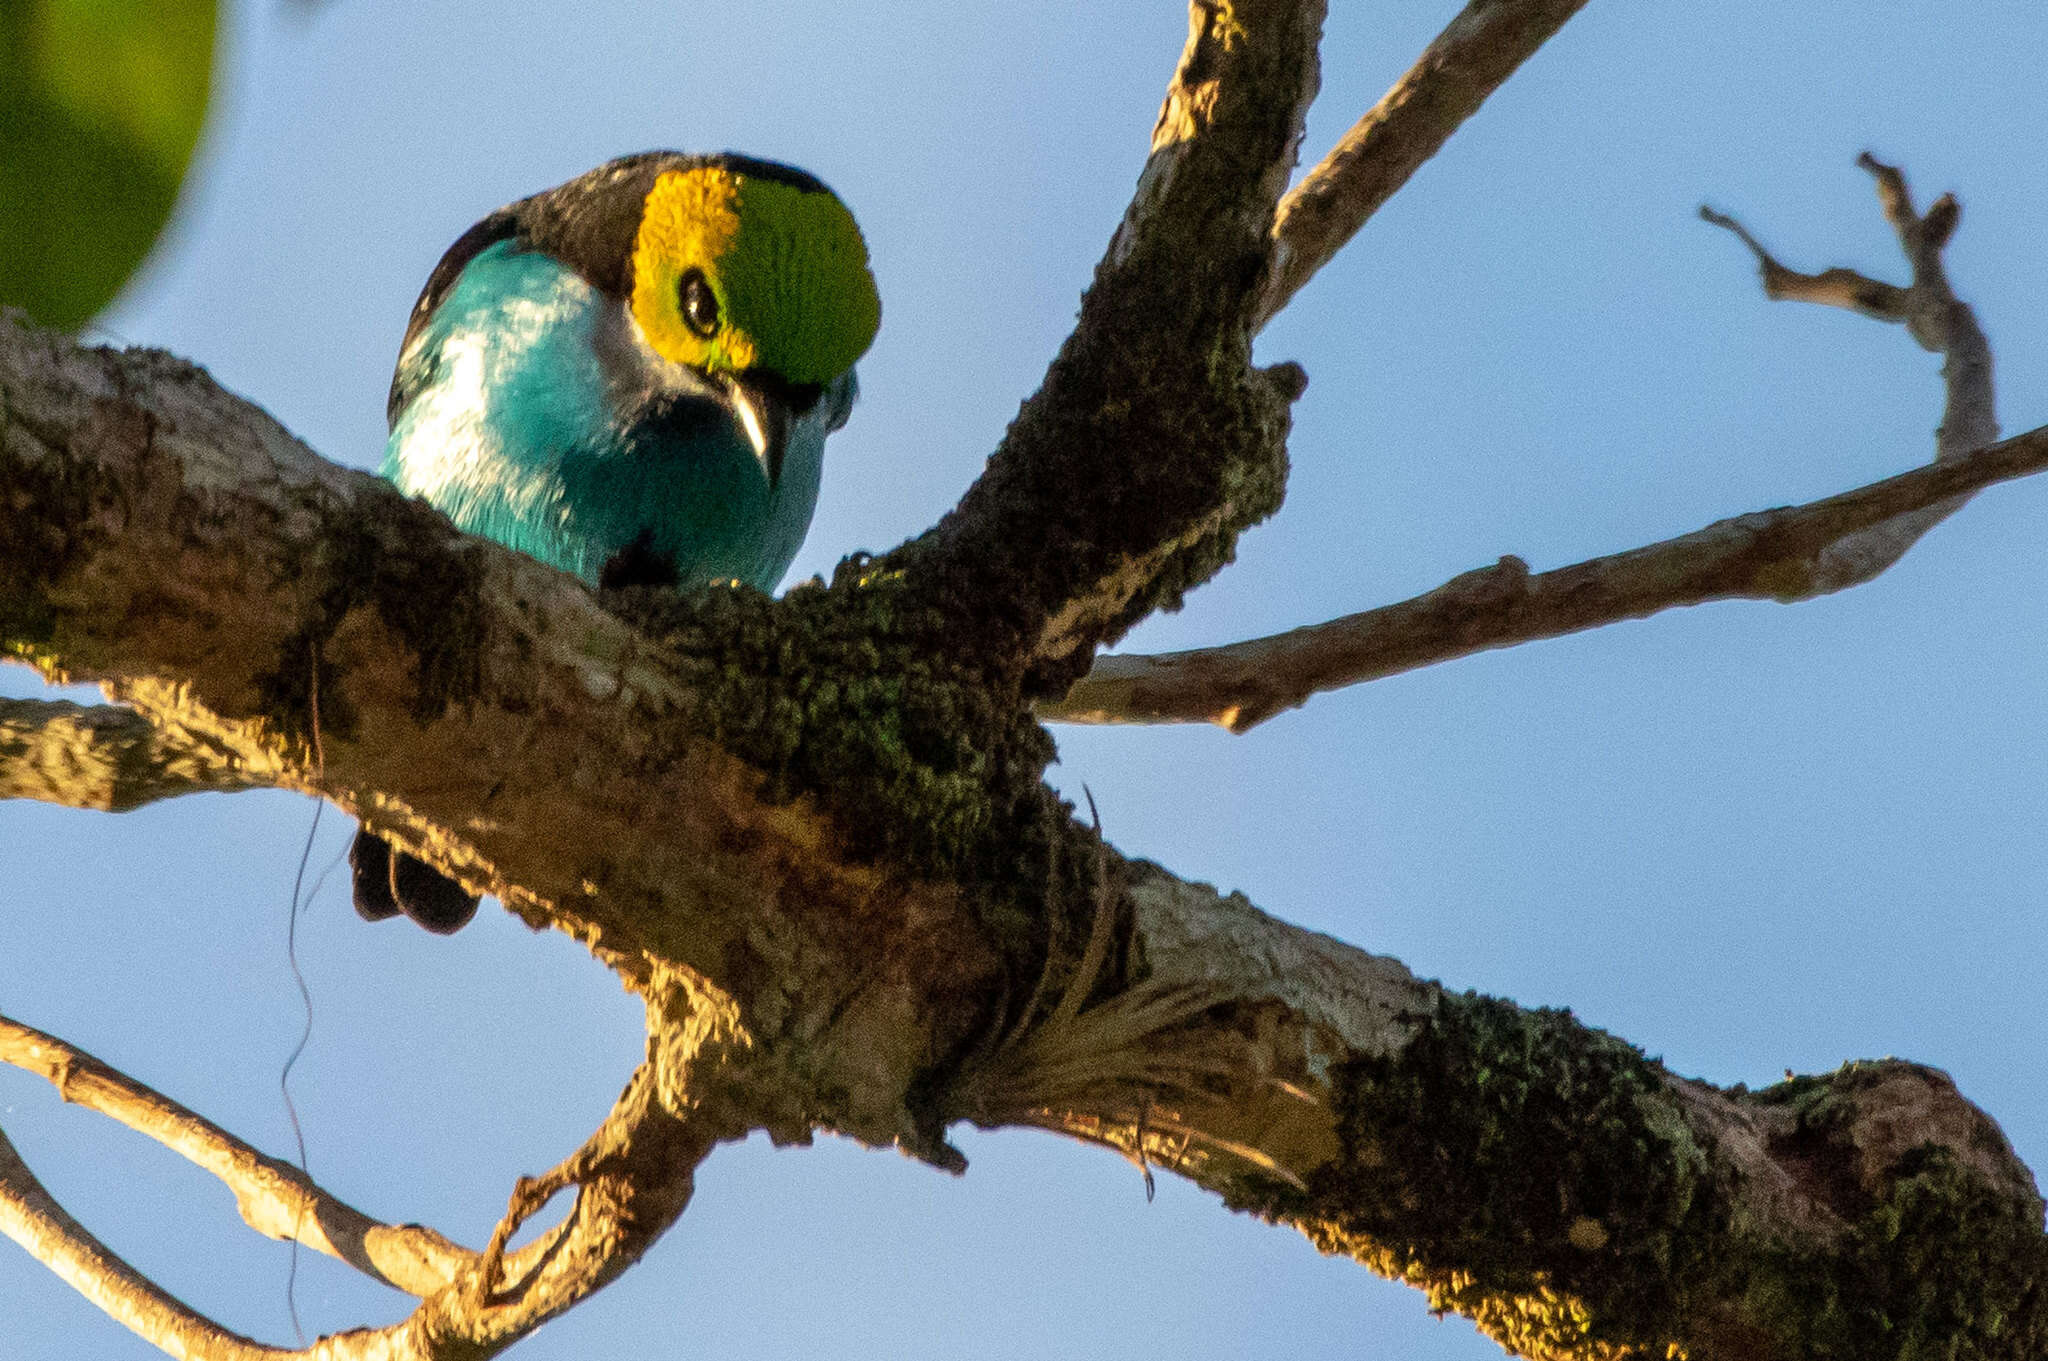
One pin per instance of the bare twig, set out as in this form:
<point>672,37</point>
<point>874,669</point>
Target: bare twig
<point>274,1198</point>
<point>1937,319</point>
<point>1482,47</point>
<point>1786,554</point>
<point>30,1217</point>
<point>1844,288</point>
<point>106,757</point>
<point>583,1167</point>
<point>634,1177</point>
<point>1765,555</point>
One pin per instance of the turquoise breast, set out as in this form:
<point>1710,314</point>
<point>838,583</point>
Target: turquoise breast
<point>529,410</point>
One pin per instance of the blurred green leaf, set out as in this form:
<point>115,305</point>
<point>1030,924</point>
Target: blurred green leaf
<point>101,102</point>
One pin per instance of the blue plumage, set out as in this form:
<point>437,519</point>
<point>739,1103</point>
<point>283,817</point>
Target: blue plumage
<point>630,377</point>
<point>530,412</point>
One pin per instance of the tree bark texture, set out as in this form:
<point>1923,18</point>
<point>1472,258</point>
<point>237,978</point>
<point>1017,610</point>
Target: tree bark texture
<point>813,834</point>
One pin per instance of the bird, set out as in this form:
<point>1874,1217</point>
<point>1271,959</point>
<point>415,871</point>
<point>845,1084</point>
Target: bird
<point>630,377</point>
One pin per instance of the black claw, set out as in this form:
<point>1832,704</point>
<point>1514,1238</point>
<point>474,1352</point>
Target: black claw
<point>430,897</point>
<point>369,873</point>
<point>639,563</point>
<point>388,882</point>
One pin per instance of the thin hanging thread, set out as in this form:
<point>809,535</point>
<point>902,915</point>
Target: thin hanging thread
<point>291,949</point>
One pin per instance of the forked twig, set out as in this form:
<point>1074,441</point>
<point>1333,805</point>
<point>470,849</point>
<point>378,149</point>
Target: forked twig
<point>1785,554</point>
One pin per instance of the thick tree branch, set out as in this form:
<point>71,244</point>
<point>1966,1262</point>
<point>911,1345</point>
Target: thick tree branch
<point>792,985</point>
<point>814,833</point>
<point>1470,59</point>
<point>108,758</point>
<point>1535,1174</point>
<point>1787,554</point>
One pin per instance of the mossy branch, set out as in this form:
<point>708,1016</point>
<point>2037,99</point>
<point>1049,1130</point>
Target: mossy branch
<point>814,834</point>
<point>1152,404</point>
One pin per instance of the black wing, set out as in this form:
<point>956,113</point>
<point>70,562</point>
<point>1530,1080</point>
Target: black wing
<point>497,227</point>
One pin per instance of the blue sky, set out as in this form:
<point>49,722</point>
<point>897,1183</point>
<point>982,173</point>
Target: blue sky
<point>1746,837</point>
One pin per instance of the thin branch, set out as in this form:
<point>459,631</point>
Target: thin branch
<point>581,1169</point>
<point>1937,319</point>
<point>273,1197</point>
<point>634,1177</point>
<point>113,759</point>
<point>1470,59</point>
<point>32,1218</point>
<point>1764,555</point>
<point>1786,554</point>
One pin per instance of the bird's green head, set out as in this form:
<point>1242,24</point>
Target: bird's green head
<point>738,273</point>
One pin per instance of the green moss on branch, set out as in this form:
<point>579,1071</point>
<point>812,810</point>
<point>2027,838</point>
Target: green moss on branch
<point>1526,1171</point>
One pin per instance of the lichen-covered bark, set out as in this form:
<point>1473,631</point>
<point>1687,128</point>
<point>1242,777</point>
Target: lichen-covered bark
<point>813,833</point>
<point>1153,442</point>
<point>1572,1197</point>
<point>1578,1200</point>
<point>816,757</point>
<point>814,841</point>
<point>220,578</point>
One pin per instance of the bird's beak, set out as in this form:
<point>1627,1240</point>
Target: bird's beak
<point>764,414</point>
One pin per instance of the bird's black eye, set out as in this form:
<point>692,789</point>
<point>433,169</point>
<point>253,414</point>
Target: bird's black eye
<point>699,303</point>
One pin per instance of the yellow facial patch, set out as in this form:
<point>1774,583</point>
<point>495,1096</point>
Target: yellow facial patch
<point>787,265</point>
